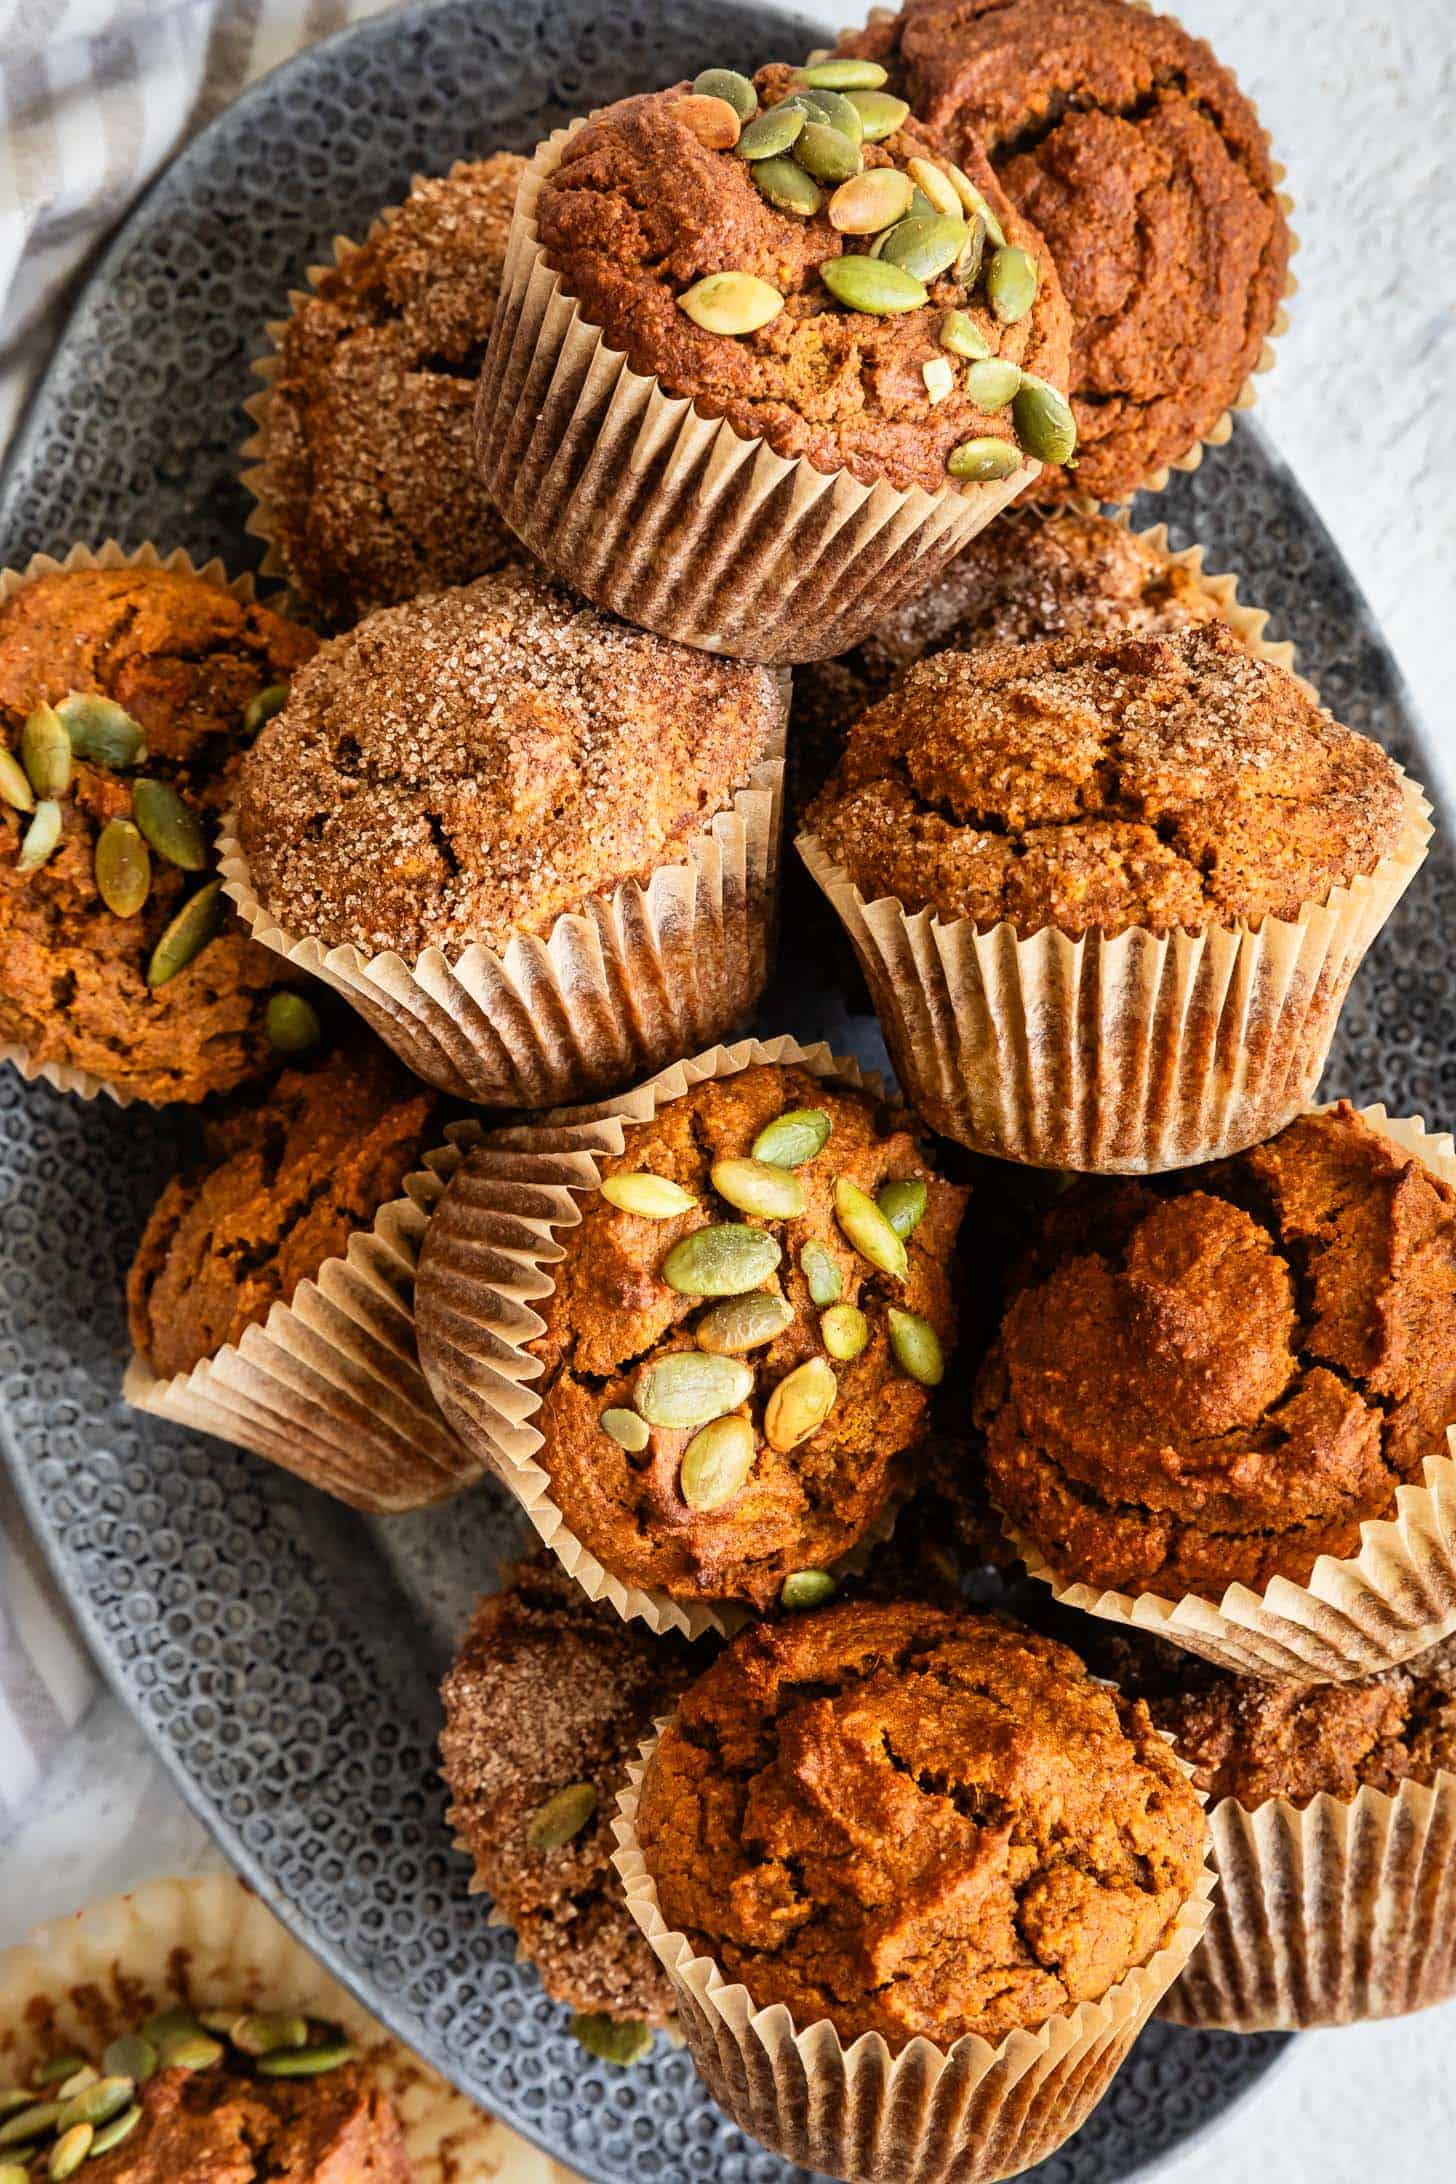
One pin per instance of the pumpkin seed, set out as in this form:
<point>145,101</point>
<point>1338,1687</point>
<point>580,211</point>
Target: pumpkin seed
<point>926,248</point>
<point>844,1331</point>
<point>1044,422</point>
<point>40,837</point>
<point>123,868</point>
<point>1011,283</point>
<point>130,2057</point>
<point>787,187</point>
<point>984,459</point>
<point>291,1024</point>
<point>29,2123</point>
<point>903,1203</point>
<point>826,154</point>
<point>112,2134</point>
<point>921,207</point>
<point>172,827</point>
<point>880,113</point>
<point>263,705</point>
<point>868,284</point>
<point>626,1429</point>
<point>975,204</point>
<point>195,924</point>
<point>101,730</point>
<point>721,1261</point>
<point>842,72</point>
<point>807,1589</point>
<point>772,133</point>
<point>821,1272</point>
<point>261,2031</point>
<point>216,2020</point>
<point>743,1323</point>
<point>178,2019</point>
<point>991,383</point>
<point>609,2041</point>
<point>692,1388</point>
<point>937,186</point>
<point>833,109</point>
<point>870,202</point>
<point>793,1138</point>
<point>189,2051</point>
<point>917,1347</point>
<point>45,752</point>
<point>868,1230</point>
<point>651,1197</point>
<point>96,2103</point>
<point>763,1187</point>
<point>712,121</point>
<point>14,786</point>
<point>800,1404</point>
<point>968,264</point>
<point>12,2173</point>
<point>728,84</point>
<point>731,303</point>
<point>962,336</point>
<point>939,378</point>
<point>716,1462</point>
<point>78,2081</point>
<point>306,2062</point>
<point>551,1827</point>
<point>14,2097</point>
<point>70,2151</point>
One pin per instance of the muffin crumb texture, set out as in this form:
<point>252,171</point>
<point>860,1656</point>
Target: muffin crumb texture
<point>231,2127</point>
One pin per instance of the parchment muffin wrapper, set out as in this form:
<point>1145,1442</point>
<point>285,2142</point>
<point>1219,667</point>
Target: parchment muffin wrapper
<point>1123,1054</point>
<point>679,522</point>
<point>329,1385</point>
<point>1355,1615</point>
<point>971,2112</point>
<point>640,975</point>
<point>493,1247</point>
<point>81,1981</point>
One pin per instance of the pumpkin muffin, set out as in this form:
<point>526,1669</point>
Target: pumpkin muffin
<point>1145,168</point>
<point>1218,1376</point>
<point>917,1823</point>
<point>367,477</point>
<point>548,1701</point>
<point>126,697</point>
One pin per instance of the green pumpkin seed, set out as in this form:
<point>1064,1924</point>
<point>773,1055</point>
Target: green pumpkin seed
<point>306,2062</point>
<point>763,1187</point>
<point>871,202</point>
<point>96,2103</point>
<point>112,2134</point>
<point>826,154</point>
<point>610,2042</point>
<point>1044,422</point>
<point>40,837</point>
<point>291,1024</point>
<point>130,2057</point>
<point>14,786</point>
<point>743,1323</point>
<point>172,827</point>
<point>830,108</point>
<point>651,1197</point>
<point>983,460</point>
<point>692,1388</point>
<point>177,2019</point>
<point>772,133</point>
<point>721,1261</point>
<point>551,1827</point>
<point>626,1429</point>
<point>868,1230</point>
<point>975,205</point>
<point>189,2051</point>
<point>70,2151</point>
<point>45,752</point>
<point>868,284</point>
<point>936,185</point>
<point>787,187</point>
<point>917,1347</point>
<point>844,1331</point>
<point>821,1272</point>
<point>800,1404</point>
<point>78,2081</point>
<point>216,2020</point>
<point>793,1138</point>
<point>842,72</point>
<point>731,303</point>
<point>261,2031</point>
<point>716,1462</point>
<point>903,1204</point>
<point>102,731</point>
<point>727,84</point>
<point>880,114</point>
<point>263,705</point>
<point>1011,283</point>
<point>195,924</point>
<point>992,383</point>
<point>926,248</point>
<point>12,2173</point>
<point>29,2123</point>
<point>962,336</point>
<point>123,868</point>
<point>920,206</point>
<point>807,1589</point>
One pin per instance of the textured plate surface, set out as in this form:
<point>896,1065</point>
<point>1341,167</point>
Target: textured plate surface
<point>281,1653</point>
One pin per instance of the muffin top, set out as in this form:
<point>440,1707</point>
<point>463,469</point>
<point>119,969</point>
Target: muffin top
<point>1218,1376</point>
<point>912,1821</point>
<point>368,468</point>
<point>795,1397</point>
<point>476,763</point>
<point>1147,172</point>
<point>639,211</point>
<point>286,1180</point>
<point>1105,781</point>
<point>548,1700</point>
<point>179,666</point>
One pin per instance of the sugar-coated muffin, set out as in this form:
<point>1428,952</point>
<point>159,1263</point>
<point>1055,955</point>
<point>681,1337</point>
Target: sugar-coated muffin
<point>1217,1376</point>
<point>916,1822</point>
<point>547,1703</point>
<point>367,469</point>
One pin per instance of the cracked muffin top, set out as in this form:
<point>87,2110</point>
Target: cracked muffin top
<point>732,1376</point>
<point>641,217</point>
<point>1217,1377</point>
<point>548,1700</point>
<point>126,698</point>
<point>1106,781</point>
<point>1146,170</point>
<point>285,1182</point>
<point>476,763</point>
<point>368,468</point>
<point>916,1822</point>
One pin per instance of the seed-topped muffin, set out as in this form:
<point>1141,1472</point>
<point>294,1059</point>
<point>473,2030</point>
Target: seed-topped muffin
<point>366,474</point>
<point>1146,170</point>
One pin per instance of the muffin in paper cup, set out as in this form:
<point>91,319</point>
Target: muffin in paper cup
<point>970,2111</point>
<point>82,1981</point>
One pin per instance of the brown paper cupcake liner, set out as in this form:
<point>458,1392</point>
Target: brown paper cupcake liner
<point>329,1385</point>
<point>971,2112</point>
<point>1330,1915</point>
<point>1354,1616</point>
<point>1121,1054</point>
<point>492,1250</point>
<point>82,1981</point>
<point>678,522</point>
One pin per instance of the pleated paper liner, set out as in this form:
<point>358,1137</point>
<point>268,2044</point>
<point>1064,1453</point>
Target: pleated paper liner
<point>492,1246</point>
<point>84,1083</point>
<point>1122,1054</point>
<point>1354,1616</point>
<point>969,2112</point>
<point>1330,1915</point>
<point>81,1981</point>
<point>678,522</point>
<point>329,1385</point>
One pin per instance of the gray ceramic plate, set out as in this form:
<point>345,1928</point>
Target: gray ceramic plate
<point>282,1654</point>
